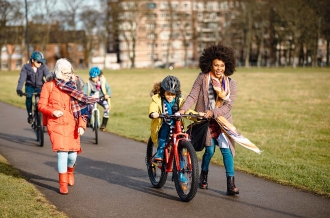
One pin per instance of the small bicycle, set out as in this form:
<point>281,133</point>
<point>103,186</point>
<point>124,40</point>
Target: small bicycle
<point>179,157</point>
<point>37,119</point>
<point>95,121</point>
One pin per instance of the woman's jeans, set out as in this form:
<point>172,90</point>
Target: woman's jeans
<point>228,159</point>
<point>65,159</point>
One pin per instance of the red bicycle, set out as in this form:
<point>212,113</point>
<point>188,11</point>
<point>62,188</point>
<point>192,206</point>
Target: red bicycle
<point>179,158</point>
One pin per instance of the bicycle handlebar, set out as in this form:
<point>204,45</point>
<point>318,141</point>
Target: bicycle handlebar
<point>34,93</point>
<point>182,115</point>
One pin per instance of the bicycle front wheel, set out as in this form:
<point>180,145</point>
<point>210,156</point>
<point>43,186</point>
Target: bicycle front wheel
<point>156,171</point>
<point>96,127</point>
<point>186,178</point>
<point>39,129</point>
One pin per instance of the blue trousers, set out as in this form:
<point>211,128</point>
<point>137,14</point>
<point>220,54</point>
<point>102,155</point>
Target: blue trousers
<point>228,160</point>
<point>28,101</point>
<point>65,159</point>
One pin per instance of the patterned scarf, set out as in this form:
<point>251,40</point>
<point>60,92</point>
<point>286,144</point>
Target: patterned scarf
<point>232,132</point>
<point>79,100</point>
<point>221,88</point>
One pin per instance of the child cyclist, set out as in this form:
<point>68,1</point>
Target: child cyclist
<point>166,99</point>
<point>97,85</point>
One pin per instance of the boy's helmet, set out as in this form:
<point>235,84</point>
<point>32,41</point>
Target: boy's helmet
<point>171,84</point>
<point>94,72</point>
<point>38,56</point>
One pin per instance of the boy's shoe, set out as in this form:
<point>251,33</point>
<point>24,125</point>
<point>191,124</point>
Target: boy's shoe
<point>104,124</point>
<point>30,119</point>
<point>158,156</point>
<point>183,178</point>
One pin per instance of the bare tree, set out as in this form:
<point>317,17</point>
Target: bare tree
<point>46,18</point>
<point>10,14</point>
<point>91,22</point>
<point>130,13</point>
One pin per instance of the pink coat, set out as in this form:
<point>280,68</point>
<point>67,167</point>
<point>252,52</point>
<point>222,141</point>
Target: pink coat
<point>63,131</point>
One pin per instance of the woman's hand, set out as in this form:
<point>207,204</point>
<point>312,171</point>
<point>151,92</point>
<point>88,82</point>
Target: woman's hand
<point>181,111</point>
<point>208,114</point>
<point>106,97</point>
<point>57,113</point>
<point>81,130</point>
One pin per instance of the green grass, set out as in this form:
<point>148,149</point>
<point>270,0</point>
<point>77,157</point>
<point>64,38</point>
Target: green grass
<point>284,111</point>
<point>19,198</point>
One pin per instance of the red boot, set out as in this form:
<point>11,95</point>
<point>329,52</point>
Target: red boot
<point>63,180</point>
<point>70,175</point>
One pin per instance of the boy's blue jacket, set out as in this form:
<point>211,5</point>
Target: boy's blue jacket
<point>30,78</point>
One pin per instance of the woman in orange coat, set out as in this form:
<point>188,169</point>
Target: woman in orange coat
<point>64,107</point>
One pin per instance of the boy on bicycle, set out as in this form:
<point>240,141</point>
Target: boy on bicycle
<point>32,74</point>
<point>97,85</point>
<point>166,99</point>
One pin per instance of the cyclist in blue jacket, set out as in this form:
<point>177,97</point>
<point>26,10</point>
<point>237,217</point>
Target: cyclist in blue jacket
<point>32,74</point>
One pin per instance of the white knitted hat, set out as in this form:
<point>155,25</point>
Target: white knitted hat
<point>62,66</point>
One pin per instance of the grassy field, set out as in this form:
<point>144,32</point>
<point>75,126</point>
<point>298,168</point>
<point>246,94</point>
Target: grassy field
<point>284,111</point>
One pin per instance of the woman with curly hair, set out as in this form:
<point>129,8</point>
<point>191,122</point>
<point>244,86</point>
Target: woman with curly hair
<point>214,94</point>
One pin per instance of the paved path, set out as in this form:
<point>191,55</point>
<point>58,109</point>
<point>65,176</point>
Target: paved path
<point>112,181</point>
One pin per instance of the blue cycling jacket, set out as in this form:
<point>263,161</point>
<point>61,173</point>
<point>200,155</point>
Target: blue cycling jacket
<point>30,78</point>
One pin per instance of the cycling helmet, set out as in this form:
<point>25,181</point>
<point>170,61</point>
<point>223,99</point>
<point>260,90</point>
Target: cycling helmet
<point>171,84</point>
<point>94,72</point>
<point>38,56</point>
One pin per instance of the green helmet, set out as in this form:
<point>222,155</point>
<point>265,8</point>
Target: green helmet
<point>38,56</point>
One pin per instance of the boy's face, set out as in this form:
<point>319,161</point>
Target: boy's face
<point>95,79</point>
<point>36,64</point>
<point>169,96</point>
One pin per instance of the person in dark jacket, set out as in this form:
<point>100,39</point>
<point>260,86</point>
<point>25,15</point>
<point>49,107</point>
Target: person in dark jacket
<point>32,74</point>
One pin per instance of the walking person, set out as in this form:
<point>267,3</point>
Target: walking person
<point>214,94</point>
<point>32,74</point>
<point>66,110</point>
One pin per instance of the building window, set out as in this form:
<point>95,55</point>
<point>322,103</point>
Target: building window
<point>18,64</point>
<point>151,5</point>
<point>80,48</point>
<point>4,65</point>
<point>18,49</point>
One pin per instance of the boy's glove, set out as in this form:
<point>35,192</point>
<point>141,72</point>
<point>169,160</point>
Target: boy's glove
<point>19,92</point>
<point>50,77</point>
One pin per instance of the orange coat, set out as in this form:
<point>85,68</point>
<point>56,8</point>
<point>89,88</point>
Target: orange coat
<point>63,131</point>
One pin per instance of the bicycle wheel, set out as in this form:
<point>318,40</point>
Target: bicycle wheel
<point>39,129</point>
<point>96,127</point>
<point>156,171</point>
<point>186,184</point>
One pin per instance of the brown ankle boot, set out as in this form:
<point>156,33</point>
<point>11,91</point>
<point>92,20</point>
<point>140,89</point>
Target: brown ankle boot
<point>63,180</point>
<point>231,188</point>
<point>70,175</point>
<point>203,180</point>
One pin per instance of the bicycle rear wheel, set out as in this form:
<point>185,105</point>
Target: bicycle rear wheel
<point>186,184</point>
<point>96,127</point>
<point>156,171</point>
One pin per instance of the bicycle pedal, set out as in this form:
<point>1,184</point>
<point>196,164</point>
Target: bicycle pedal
<point>184,187</point>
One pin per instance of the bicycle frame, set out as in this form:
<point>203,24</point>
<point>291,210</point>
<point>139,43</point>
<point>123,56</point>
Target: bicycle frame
<point>95,109</point>
<point>171,148</point>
